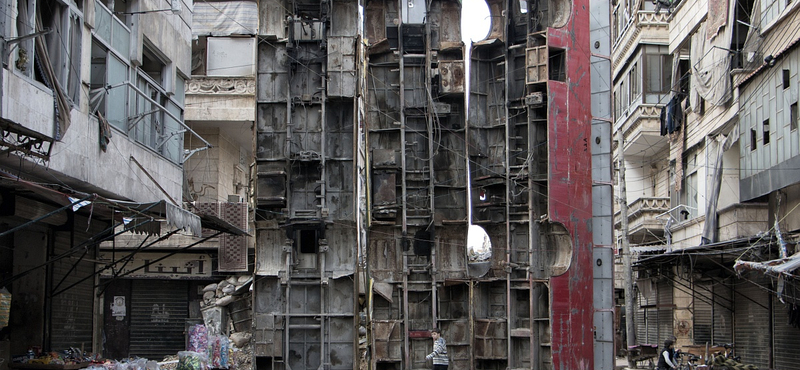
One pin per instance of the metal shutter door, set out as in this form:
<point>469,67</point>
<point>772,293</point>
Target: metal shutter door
<point>71,324</point>
<point>751,320</point>
<point>723,312</point>
<point>786,337</point>
<point>665,311</point>
<point>159,309</point>
<point>703,303</point>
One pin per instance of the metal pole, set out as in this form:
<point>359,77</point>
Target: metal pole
<point>630,331</point>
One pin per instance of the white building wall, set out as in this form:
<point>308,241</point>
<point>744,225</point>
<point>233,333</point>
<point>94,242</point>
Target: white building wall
<point>685,19</point>
<point>170,33</point>
<point>77,159</point>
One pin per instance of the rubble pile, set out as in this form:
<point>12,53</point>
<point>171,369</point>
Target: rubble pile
<point>226,311</point>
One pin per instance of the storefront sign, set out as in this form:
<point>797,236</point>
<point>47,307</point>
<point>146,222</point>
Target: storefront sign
<point>118,307</point>
<point>157,265</point>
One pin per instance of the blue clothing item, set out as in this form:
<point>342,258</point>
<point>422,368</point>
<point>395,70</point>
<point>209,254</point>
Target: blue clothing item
<point>439,354</point>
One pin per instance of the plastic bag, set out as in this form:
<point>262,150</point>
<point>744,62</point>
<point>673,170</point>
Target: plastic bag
<point>218,349</point>
<point>198,339</point>
<point>190,360</point>
<point>5,307</point>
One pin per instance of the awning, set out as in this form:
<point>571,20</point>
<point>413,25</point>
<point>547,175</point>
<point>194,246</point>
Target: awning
<point>98,207</point>
<point>727,251</point>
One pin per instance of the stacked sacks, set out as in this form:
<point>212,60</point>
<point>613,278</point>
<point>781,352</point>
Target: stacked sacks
<point>722,362</point>
<point>224,292</point>
<point>216,298</point>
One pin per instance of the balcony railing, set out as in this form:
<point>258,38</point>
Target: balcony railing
<point>643,226</point>
<point>645,25</point>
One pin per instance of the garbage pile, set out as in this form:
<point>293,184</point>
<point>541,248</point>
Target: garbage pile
<point>71,356</point>
<point>723,362</point>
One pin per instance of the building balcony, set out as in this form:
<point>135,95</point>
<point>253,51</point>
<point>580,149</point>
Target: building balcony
<point>221,99</point>
<point>644,27</point>
<point>643,226</point>
<point>641,129</point>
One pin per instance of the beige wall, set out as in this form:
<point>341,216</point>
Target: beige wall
<point>684,21</point>
<point>213,174</point>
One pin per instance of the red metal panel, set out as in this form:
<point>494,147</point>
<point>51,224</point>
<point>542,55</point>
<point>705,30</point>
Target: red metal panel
<point>570,192</point>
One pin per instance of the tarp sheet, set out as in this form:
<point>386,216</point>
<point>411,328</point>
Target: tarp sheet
<point>711,60</point>
<point>224,18</point>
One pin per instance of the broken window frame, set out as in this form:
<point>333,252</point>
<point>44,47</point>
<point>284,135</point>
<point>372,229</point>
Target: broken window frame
<point>143,107</point>
<point>62,42</point>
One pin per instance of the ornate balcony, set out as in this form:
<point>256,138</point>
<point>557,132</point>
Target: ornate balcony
<point>643,226</point>
<point>641,130</point>
<point>644,26</point>
<point>221,99</point>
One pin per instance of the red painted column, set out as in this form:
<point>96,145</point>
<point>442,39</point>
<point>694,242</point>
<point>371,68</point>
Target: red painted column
<point>570,192</point>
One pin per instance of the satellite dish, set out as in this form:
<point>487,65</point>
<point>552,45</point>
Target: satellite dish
<point>479,251</point>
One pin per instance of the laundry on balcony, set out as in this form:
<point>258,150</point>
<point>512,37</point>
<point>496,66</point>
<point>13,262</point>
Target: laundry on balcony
<point>672,115</point>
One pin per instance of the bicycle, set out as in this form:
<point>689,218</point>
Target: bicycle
<point>688,361</point>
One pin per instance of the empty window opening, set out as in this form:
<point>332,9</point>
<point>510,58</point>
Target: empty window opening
<point>153,66</point>
<point>422,243</point>
<point>793,116</point>
<point>307,241</point>
<point>558,68</point>
<point>786,79</point>
<point>753,139</point>
<point>199,50</point>
<point>766,132</point>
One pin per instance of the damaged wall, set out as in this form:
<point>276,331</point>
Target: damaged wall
<point>525,142</point>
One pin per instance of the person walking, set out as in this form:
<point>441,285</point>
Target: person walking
<point>439,354</point>
<point>666,359</point>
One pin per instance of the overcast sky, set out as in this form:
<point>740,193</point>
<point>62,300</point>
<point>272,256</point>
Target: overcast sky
<point>474,20</point>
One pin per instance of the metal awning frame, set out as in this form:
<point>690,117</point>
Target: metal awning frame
<point>107,210</point>
<point>723,255</point>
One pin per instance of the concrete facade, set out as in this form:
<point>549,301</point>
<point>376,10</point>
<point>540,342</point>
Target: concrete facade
<point>718,171</point>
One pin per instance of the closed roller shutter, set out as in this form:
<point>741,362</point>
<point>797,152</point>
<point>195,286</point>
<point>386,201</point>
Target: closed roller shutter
<point>641,326</point>
<point>786,337</point>
<point>159,309</point>
<point>751,321</point>
<point>71,320</point>
<point>703,303</point>
<point>723,313</point>
<point>647,314</point>
<point>665,312</point>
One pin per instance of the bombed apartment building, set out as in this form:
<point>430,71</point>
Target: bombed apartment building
<point>372,171</point>
<point>306,234</point>
<point>416,143</point>
<point>530,142</point>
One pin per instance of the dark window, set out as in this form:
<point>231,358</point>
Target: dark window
<point>558,66</point>
<point>753,139</point>
<point>793,116</point>
<point>307,241</point>
<point>786,79</point>
<point>766,132</point>
<point>152,65</point>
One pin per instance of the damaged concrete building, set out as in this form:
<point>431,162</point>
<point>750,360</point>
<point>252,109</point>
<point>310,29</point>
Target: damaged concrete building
<point>371,171</point>
<point>361,143</point>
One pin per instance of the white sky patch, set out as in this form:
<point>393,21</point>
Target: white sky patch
<point>475,21</point>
